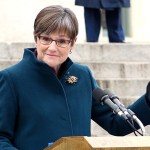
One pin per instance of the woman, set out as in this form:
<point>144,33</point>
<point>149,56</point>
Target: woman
<point>47,96</point>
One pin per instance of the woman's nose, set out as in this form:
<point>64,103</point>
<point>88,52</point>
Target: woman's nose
<point>52,45</point>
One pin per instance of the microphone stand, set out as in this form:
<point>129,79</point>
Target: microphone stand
<point>138,121</point>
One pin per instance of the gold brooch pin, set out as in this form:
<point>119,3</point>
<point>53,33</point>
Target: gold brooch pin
<point>71,79</point>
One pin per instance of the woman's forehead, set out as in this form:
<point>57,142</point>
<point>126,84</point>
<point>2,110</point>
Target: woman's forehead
<point>58,33</point>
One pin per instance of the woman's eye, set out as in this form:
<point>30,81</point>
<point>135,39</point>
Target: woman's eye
<point>46,39</point>
<point>61,41</point>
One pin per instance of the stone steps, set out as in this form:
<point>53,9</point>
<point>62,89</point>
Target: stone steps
<point>128,90</point>
<point>131,52</point>
<point>125,87</point>
<point>119,69</point>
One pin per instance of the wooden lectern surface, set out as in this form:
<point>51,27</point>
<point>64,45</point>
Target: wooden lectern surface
<point>70,143</point>
<point>102,143</point>
<point>116,141</point>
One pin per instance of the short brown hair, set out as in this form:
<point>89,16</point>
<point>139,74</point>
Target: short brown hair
<point>56,18</point>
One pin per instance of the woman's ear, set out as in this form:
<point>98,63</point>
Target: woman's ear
<point>74,41</point>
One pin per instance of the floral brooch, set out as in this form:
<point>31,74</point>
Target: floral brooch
<point>71,80</point>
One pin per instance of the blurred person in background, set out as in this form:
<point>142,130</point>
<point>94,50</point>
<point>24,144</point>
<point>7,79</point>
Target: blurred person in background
<point>93,22</point>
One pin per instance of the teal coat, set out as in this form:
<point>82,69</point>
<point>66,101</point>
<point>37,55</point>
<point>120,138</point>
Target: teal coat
<point>37,107</point>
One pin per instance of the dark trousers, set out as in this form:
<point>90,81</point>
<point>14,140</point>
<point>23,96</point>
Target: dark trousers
<point>93,24</point>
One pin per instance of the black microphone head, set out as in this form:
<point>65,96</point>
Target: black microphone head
<point>115,99</point>
<point>98,94</point>
<point>109,92</point>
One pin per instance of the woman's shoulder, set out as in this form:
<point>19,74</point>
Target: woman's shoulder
<point>13,69</point>
<point>82,69</point>
<point>81,66</point>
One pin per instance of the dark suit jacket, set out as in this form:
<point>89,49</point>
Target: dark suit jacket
<point>106,4</point>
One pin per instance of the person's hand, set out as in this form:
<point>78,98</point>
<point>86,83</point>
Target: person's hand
<point>147,95</point>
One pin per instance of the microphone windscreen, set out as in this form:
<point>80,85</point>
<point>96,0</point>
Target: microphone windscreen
<point>109,92</point>
<point>98,94</point>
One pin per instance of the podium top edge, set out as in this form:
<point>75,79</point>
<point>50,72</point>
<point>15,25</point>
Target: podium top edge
<point>117,141</point>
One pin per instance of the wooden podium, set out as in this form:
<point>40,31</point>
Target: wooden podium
<point>102,143</point>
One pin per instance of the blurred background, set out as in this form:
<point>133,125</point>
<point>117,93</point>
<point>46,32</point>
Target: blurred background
<point>17,17</point>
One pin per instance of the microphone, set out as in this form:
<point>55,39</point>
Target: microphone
<point>128,112</point>
<point>116,100</point>
<point>102,97</point>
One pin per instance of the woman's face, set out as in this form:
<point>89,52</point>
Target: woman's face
<point>56,52</point>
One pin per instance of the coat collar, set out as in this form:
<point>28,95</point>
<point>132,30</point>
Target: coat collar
<point>31,53</point>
